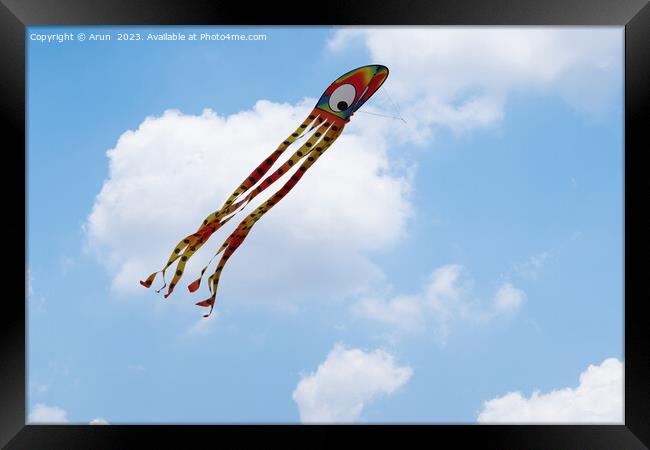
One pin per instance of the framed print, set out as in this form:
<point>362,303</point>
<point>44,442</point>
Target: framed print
<point>433,227</point>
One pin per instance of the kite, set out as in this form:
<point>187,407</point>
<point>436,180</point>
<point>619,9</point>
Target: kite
<point>327,120</point>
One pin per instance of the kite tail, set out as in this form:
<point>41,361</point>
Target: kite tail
<point>305,127</point>
<point>234,208</point>
<point>194,285</point>
<point>185,242</point>
<point>190,244</point>
<point>303,151</point>
<point>238,236</point>
<point>230,245</point>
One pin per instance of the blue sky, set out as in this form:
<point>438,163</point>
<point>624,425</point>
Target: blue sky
<point>480,246</point>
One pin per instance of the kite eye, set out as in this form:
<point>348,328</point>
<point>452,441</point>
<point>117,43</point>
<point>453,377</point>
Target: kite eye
<point>342,97</point>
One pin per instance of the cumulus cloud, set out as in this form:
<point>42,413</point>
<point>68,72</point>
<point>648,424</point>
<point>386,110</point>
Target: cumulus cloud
<point>345,383</point>
<point>530,268</point>
<point>45,414</point>
<point>508,298</point>
<point>446,298</point>
<point>173,170</point>
<point>460,78</point>
<point>99,421</point>
<point>597,399</point>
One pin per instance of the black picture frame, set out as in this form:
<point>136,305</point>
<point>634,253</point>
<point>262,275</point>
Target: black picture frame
<point>634,15</point>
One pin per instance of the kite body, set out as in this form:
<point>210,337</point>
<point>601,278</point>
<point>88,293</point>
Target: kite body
<point>327,120</point>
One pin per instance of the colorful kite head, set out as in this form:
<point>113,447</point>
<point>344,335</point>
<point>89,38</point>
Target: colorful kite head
<point>346,95</point>
<point>321,128</point>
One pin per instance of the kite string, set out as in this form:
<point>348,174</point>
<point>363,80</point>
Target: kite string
<point>382,115</point>
<point>394,106</point>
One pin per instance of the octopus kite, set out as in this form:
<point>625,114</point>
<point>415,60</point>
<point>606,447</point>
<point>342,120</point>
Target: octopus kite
<point>325,123</point>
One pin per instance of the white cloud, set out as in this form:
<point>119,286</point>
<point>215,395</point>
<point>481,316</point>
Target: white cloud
<point>37,388</point>
<point>508,298</point>
<point>345,383</point>
<point>404,312</point>
<point>461,77</point>
<point>174,170</point>
<point>597,399</point>
<point>530,268</point>
<point>42,413</point>
<point>99,421</point>
<point>204,325</point>
<point>446,298</point>
<point>35,301</point>
<point>136,367</point>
